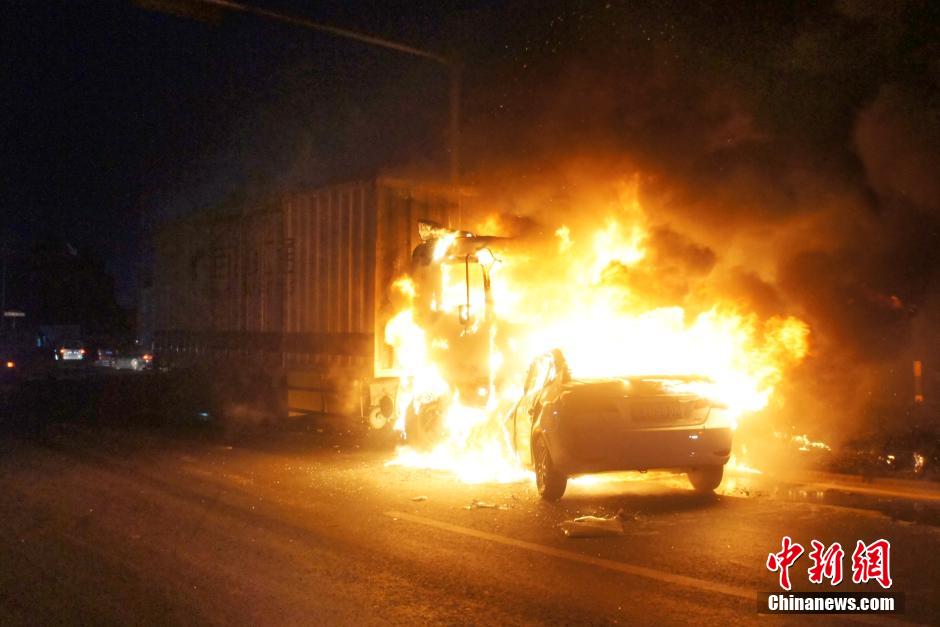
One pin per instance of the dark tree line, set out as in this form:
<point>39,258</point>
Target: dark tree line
<point>54,282</point>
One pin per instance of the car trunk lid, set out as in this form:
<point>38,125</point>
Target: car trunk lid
<point>636,403</point>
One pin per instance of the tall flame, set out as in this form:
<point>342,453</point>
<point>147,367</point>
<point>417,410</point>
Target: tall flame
<point>574,299</point>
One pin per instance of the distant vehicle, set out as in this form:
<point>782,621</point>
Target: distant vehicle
<point>104,357</point>
<point>135,358</point>
<point>23,354</point>
<point>70,352</point>
<point>565,426</point>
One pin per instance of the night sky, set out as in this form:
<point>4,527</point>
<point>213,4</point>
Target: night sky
<point>117,118</point>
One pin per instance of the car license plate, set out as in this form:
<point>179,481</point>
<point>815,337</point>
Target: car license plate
<point>658,413</point>
<point>71,355</point>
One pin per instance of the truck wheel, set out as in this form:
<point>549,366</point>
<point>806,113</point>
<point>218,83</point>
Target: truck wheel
<point>379,433</point>
<point>706,479</point>
<point>550,483</point>
<point>377,419</point>
<point>423,428</point>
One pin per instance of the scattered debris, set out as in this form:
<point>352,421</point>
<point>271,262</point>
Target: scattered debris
<point>475,504</point>
<point>635,516</point>
<point>744,492</point>
<point>419,498</point>
<point>592,526</point>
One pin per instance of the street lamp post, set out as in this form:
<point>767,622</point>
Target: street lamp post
<point>5,252</point>
<point>3,289</point>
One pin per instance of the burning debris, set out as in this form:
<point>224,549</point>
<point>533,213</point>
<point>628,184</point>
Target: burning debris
<point>803,442</point>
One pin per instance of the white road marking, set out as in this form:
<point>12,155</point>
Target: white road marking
<point>572,556</point>
<point>622,567</point>
<point>918,495</point>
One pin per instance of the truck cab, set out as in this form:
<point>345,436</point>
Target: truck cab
<point>454,305</point>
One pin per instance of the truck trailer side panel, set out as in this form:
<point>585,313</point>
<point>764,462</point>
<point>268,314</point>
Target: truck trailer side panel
<point>297,288</point>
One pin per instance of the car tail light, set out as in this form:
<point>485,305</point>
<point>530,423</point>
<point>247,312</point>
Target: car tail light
<point>82,351</point>
<point>148,357</point>
<point>11,364</point>
<point>62,350</point>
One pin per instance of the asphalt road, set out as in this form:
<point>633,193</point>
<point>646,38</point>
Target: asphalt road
<point>106,526</point>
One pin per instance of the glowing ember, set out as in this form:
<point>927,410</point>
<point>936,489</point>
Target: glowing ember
<point>804,442</point>
<point>470,449</point>
<point>740,467</point>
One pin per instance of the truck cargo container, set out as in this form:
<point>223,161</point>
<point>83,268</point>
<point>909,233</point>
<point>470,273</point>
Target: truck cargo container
<point>293,295</point>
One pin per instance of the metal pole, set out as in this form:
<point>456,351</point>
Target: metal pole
<point>455,87</point>
<point>3,291</point>
<point>326,28</point>
<point>450,63</point>
<point>918,382</point>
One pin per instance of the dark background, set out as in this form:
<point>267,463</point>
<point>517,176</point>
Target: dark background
<point>116,116</point>
<point>815,120</point>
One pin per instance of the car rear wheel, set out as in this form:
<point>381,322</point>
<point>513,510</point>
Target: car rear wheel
<point>706,479</point>
<point>550,482</point>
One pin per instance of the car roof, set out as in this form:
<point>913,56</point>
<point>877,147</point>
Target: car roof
<point>558,357</point>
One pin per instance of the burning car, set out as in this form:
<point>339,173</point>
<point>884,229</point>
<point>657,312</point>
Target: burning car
<point>565,426</point>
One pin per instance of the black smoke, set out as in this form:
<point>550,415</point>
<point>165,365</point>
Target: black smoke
<point>787,158</point>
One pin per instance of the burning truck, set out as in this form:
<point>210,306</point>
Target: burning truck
<point>450,288</point>
<point>283,307</point>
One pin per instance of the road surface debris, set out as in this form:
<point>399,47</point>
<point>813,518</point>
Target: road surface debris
<point>475,504</point>
<point>592,527</point>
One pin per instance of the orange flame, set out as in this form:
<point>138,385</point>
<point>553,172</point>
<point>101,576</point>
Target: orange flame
<point>566,300</point>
